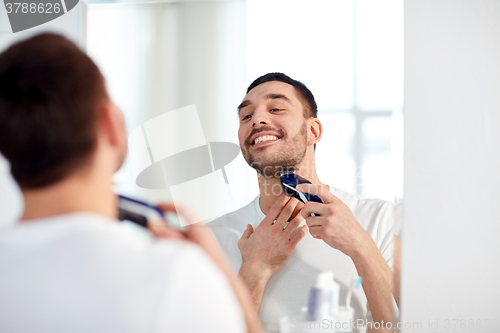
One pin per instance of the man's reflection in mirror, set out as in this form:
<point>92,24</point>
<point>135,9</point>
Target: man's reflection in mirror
<point>285,243</point>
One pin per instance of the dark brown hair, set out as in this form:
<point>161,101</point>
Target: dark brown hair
<point>305,94</point>
<point>50,92</point>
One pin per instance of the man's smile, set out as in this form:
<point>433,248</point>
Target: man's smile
<point>263,138</point>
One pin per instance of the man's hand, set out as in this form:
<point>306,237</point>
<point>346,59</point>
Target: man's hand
<point>196,233</point>
<point>265,250</point>
<point>268,247</point>
<point>336,225</point>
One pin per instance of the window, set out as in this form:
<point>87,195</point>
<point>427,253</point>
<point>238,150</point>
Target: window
<point>350,55</point>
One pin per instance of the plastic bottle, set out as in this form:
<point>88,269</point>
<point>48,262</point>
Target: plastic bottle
<point>318,307</point>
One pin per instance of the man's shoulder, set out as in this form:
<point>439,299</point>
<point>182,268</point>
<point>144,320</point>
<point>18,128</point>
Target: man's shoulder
<point>354,200</point>
<point>359,205</point>
<point>101,237</point>
<point>371,212</point>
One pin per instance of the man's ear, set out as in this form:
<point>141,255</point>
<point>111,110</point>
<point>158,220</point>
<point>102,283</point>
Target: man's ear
<point>112,123</point>
<point>112,130</point>
<point>315,131</point>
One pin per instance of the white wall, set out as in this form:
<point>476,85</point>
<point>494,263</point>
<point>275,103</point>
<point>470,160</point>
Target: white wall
<point>451,233</point>
<point>157,57</point>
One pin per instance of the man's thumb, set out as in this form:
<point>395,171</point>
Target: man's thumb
<point>248,231</point>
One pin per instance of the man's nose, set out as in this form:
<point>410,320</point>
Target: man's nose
<point>260,122</point>
<point>259,117</point>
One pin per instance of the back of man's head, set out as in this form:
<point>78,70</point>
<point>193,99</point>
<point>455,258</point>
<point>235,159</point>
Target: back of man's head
<point>50,93</point>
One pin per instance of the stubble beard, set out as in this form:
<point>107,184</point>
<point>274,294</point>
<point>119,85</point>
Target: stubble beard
<point>284,161</point>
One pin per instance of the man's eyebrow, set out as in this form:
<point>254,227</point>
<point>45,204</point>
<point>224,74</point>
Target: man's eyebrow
<point>243,104</point>
<point>268,96</point>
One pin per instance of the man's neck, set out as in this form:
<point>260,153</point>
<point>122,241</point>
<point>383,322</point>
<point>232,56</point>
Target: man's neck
<point>270,188</point>
<point>78,193</point>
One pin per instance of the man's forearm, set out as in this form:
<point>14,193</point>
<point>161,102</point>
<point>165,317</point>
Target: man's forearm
<point>251,319</point>
<point>377,281</point>
<point>256,283</point>
<point>397,269</point>
<point>241,292</point>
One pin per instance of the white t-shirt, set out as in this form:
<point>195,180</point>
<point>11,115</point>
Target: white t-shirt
<point>287,291</point>
<point>82,272</point>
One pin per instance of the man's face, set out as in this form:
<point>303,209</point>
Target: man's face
<point>273,130</point>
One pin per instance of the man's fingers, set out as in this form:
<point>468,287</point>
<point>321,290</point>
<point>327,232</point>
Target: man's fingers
<point>315,221</point>
<point>299,235</point>
<point>276,209</point>
<point>286,213</point>
<point>293,225</point>
<point>314,207</point>
<point>160,229</point>
<point>167,207</point>
<point>321,191</point>
<point>163,231</point>
<point>197,232</point>
<point>296,211</point>
<point>248,231</point>
<point>315,231</point>
<point>188,214</point>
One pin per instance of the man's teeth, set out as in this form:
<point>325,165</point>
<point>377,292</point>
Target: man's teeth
<point>265,138</point>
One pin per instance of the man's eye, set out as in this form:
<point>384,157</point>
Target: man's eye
<point>246,117</point>
<point>275,110</point>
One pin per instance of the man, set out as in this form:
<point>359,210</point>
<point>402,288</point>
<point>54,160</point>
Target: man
<point>276,256</point>
<point>68,265</point>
